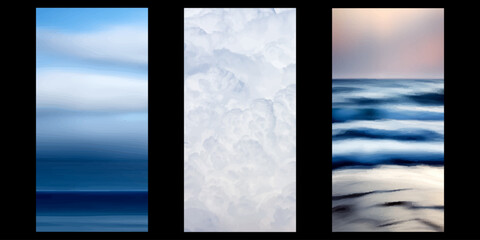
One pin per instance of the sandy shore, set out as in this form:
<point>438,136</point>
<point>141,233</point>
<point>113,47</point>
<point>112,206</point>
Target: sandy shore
<point>388,198</point>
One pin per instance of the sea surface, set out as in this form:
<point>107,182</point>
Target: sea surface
<point>92,211</point>
<point>387,154</point>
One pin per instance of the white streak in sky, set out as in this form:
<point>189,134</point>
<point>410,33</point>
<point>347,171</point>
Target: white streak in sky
<point>84,91</point>
<point>126,45</point>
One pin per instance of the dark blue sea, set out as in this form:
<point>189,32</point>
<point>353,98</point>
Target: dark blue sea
<point>387,121</point>
<point>92,211</point>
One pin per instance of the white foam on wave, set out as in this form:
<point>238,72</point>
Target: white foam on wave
<point>436,109</point>
<point>380,90</point>
<point>239,120</point>
<point>375,146</point>
<point>435,126</point>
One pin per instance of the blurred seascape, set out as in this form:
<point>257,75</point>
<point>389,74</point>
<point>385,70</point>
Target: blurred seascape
<point>387,154</point>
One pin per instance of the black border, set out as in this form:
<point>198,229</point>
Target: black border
<point>313,126</point>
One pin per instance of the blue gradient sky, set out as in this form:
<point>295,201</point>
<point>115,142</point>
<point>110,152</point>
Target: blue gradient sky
<point>92,84</point>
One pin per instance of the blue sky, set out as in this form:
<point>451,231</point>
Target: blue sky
<point>98,39</point>
<point>89,19</point>
<point>92,85</point>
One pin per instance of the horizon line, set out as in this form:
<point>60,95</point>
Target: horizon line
<point>91,190</point>
<point>391,78</point>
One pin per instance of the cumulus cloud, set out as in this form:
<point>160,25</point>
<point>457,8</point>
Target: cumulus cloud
<point>240,127</point>
<point>125,45</point>
<point>90,92</point>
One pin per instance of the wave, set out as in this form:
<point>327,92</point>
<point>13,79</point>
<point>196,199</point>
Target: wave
<point>389,124</point>
<point>361,101</point>
<point>411,159</point>
<point>350,114</point>
<point>435,98</point>
<point>372,152</point>
<point>399,122</point>
<point>361,194</point>
<point>374,93</point>
<point>345,162</point>
<point>345,89</point>
<point>400,135</point>
<point>432,98</point>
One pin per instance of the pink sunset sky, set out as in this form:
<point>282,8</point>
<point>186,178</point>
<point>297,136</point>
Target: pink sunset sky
<point>387,43</point>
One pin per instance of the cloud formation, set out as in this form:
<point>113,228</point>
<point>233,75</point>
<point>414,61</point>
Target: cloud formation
<point>90,92</point>
<point>240,127</point>
<point>120,45</point>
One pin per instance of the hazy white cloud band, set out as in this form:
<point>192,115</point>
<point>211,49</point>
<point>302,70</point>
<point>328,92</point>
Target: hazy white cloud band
<point>90,92</point>
<point>126,45</point>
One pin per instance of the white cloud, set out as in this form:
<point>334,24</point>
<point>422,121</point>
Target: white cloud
<point>240,120</point>
<point>118,45</point>
<point>84,91</point>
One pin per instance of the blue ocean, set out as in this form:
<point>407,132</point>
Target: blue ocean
<point>387,155</point>
<point>387,121</point>
<point>92,211</point>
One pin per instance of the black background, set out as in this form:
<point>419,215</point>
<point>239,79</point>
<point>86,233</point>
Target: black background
<point>166,143</point>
